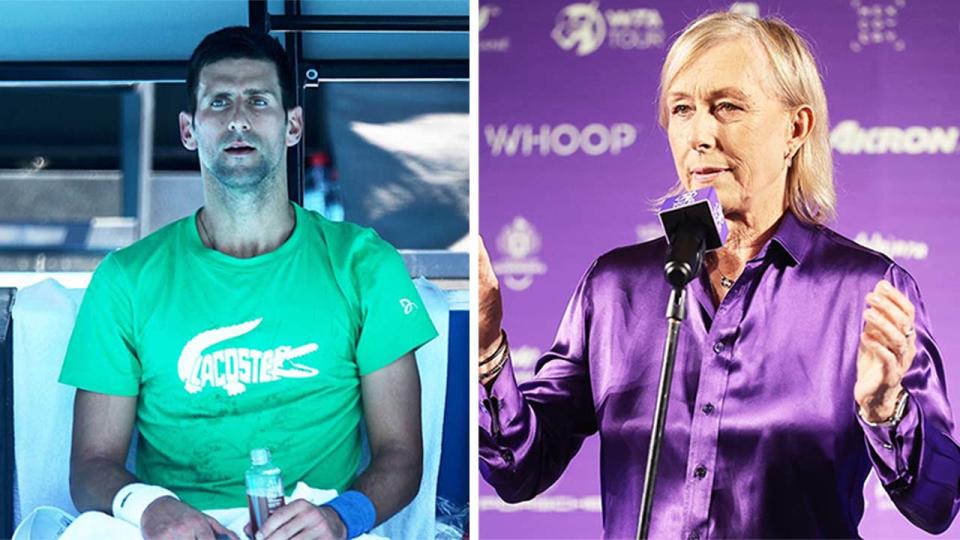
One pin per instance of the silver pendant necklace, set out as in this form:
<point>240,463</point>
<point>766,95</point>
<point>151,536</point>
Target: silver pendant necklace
<point>725,282</point>
<point>203,227</point>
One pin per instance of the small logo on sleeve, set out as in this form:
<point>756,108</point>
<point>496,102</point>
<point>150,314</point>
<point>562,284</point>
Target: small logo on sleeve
<point>407,305</point>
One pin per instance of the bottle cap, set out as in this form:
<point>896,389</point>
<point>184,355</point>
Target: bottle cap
<point>318,159</point>
<point>259,456</point>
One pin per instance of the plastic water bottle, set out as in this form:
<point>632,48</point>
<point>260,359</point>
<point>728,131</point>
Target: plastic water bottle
<point>333,199</point>
<point>264,488</point>
<point>315,181</point>
<point>322,188</point>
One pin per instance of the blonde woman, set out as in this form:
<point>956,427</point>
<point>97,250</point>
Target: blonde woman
<point>805,361</point>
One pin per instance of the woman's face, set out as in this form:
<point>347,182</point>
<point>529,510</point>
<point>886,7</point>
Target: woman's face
<point>727,130</point>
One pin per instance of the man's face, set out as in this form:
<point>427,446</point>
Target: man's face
<point>727,130</point>
<point>240,127</point>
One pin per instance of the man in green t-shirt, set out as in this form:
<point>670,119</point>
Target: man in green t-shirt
<point>251,324</point>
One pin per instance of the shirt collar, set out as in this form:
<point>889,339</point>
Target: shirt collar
<point>794,237</point>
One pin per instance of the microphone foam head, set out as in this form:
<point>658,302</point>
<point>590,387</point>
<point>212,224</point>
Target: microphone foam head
<point>702,205</point>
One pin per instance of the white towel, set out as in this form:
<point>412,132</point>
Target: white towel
<point>419,518</point>
<point>97,525</point>
<point>43,316</point>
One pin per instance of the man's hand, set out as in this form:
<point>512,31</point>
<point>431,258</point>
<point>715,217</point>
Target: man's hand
<point>491,306</point>
<point>167,517</point>
<point>303,520</point>
<point>887,347</point>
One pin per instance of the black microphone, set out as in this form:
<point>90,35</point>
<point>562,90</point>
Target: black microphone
<point>693,224</point>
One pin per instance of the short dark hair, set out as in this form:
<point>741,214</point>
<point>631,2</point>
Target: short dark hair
<point>239,42</point>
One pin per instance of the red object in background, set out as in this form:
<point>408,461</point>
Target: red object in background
<point>318,159</point>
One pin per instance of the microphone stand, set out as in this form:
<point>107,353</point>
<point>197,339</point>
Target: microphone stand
<point>684,258</point>
<point>676,312</point>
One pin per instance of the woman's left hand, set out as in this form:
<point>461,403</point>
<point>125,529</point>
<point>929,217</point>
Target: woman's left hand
<point>887,347</point>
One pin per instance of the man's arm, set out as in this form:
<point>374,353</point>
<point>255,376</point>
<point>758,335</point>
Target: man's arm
<point>391,407</point>
<point>102,425</point>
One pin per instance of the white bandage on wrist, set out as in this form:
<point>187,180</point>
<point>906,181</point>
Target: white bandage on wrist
<point>132,499</point>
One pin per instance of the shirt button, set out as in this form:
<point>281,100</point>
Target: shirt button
<point>717,347</point>
<point>888,446</point>
<point>700,471</point>
<point>708,408</point>
<point>693,536</point>
<point>507,456</point>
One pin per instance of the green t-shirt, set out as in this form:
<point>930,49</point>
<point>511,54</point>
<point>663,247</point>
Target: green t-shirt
<point>231,354</point>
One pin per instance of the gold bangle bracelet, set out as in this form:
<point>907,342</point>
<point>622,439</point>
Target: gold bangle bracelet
<point>894,419</point>
<point>501,361</point>
<point>500,348</point>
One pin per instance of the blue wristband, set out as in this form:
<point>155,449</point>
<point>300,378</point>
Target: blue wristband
<point>356,511</point>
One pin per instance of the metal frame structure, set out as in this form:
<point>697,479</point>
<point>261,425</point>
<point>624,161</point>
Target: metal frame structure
<point>293,23</point>
<point>6,414</point>
<point>20,74</point>
<point>308,73</point>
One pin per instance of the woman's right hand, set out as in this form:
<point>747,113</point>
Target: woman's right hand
<point>490,312</point>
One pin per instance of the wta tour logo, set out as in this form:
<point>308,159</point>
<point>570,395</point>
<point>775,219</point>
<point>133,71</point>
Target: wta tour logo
<point>685,199</point>
<point>488,44</point>
<point>520,243</point>
<point>486,12</point>
<point>583,28</point>
<point>877,24</point>
<point>747,9</point>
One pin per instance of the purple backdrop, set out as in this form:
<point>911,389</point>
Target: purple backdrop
<point>571,155</point>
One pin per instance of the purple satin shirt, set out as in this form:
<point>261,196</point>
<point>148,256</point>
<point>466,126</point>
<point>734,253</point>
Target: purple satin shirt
<point>762,436</point>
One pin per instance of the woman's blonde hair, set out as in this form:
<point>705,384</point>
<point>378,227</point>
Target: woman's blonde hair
<point>810,191</point>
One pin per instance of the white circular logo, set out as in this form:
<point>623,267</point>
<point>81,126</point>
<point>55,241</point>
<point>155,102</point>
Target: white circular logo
<point>580,26</point>
<point>520,242</point>
<point>519,239</point>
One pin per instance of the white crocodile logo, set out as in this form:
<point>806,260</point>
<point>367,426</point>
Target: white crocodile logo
<point>233,368</point>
